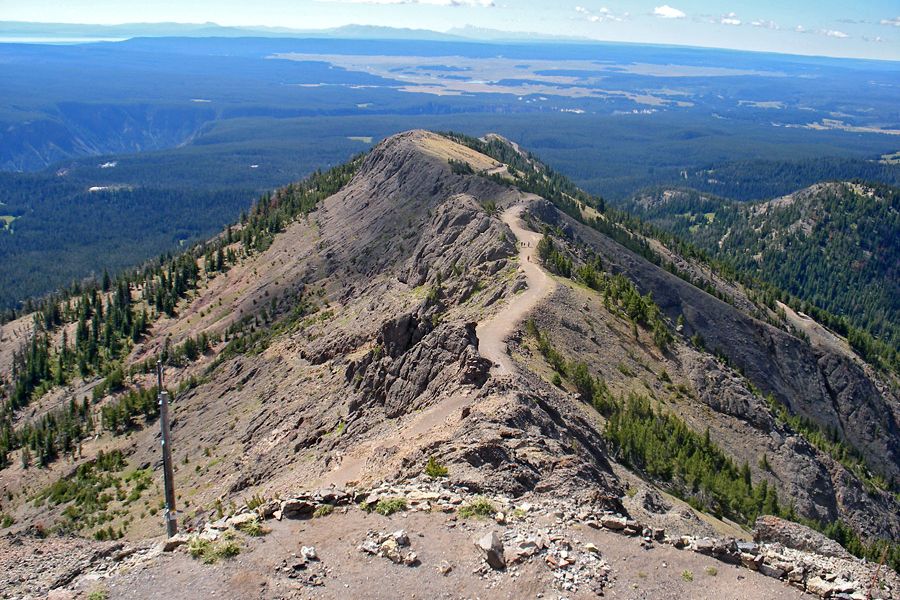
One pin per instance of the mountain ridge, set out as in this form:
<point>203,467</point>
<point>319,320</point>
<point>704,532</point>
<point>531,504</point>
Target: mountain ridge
<point>831,246</point>
<point>343,347</point>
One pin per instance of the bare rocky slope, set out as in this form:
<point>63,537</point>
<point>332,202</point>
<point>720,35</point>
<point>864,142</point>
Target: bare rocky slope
<point>413,346</point>
<point>823,386</point>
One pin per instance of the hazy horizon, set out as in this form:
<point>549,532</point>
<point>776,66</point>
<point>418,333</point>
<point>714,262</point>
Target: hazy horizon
<point>829,28</point>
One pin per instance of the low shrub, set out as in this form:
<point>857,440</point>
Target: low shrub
<point>479,507</point>
<point>389,506</point>
<point>434,469</point>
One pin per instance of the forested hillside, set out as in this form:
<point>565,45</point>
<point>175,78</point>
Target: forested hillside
<point>83,217</point>
<point>763,179</point>
<point>833,246</point>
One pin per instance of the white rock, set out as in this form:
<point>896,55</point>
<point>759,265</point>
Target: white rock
<point>401,537</point>
<point>820,587</point>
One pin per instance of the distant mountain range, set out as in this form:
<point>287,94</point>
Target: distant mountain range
<point>9,30</point>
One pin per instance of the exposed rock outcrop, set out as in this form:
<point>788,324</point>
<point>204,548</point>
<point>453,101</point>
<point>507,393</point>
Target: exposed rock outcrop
<point>793,535</point>
<point>410,359</point>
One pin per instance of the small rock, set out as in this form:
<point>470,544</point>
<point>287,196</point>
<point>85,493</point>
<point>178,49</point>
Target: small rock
<point>242,519</point>
<point>796,574</point>
<point>704,546</point>
<point>820,587</point>
<point>309,553</point>
<point>267,509</point>
<point>492,547</point>
<point>751,561</point>
<point>444,568</point>
<point>296,506</point>
<point>175,541</point>
<point>592,548</point>
<point>613,522</point>
<point>410,559</point>
<point>770,571</point>
<point>401,538</point>
<point>298,565</point>
<point>845,587</point>
<point>390,549</point>
<point>525,550</point>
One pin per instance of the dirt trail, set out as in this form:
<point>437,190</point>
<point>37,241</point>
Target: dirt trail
<point>492,336</point>
<point>492,333</point>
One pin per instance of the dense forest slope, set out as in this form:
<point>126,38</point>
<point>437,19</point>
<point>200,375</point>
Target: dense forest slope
<point>833,246</point>
<point>336,336</point>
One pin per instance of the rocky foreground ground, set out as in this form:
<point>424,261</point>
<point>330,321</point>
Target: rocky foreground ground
<point>427,539</point>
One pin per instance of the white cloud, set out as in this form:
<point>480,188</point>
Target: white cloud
<point>894,22</point>
<point>603,14</point>
<point>667,12</point>
<point>765,24</point>
<point>826,32</point>
<point>730,19</point>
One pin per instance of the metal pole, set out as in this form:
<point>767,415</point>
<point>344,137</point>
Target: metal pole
<point>168,475</point>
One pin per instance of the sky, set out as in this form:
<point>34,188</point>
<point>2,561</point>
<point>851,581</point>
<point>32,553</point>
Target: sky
<point>862,29</point>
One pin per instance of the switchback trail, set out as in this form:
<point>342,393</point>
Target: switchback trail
<point>492,334</point>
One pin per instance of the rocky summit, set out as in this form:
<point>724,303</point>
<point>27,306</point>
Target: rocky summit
<point>443,371</point>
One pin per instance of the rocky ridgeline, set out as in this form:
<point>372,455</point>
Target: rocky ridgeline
<point>781,549</point>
